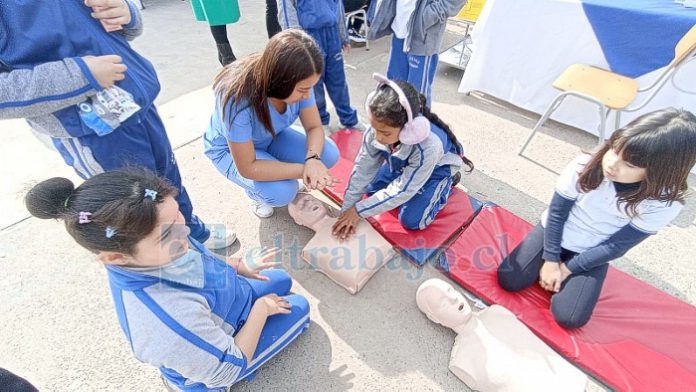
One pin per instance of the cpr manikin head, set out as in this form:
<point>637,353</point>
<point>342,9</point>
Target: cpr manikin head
<point>494,351</point>
<point>307,210</point>
<point>349,263</point>
<point>442,304</point>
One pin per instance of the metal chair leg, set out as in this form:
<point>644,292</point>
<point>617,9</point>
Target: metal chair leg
<point>549,111</point>
<point>602,121</point>
<point>617,120</point>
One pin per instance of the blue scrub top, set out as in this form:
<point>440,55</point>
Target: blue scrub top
<point>246,125</point>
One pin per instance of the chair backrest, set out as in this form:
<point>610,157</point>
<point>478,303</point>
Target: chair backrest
<point>685,47</point>
<point>470,12</point>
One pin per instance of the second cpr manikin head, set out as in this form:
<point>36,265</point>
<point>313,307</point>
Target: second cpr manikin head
<point>307,210</point>
<point>442,304</point>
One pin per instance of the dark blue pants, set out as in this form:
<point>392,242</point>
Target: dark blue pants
<point>419,211</point>
<point>139,145</point>
<point>281,329</point>
<point>417,70</point>
<point>334,78</point>
<point>572,306</point>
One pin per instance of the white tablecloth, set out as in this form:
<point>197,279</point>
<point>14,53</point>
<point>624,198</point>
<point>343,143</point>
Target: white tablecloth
<point>521,46</point>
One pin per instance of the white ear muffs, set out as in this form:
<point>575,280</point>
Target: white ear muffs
<point>416,129</point>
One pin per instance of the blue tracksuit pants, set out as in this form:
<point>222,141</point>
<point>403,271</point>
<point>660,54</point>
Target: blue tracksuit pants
<point>334,77</point>
<point>289,145</point>
<point>139,145</point>
<point>280,329</point>
<point>417,70</point>
<point>420,211</point>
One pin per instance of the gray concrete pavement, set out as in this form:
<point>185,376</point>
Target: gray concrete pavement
<point>57,324</point>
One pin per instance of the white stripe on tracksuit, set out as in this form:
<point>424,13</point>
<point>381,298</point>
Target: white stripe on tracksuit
<point>276,347</point>
<point>428,215</point>
<point>83,159</point>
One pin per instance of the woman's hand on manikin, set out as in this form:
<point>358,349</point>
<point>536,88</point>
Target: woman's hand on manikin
<point>316,176</point>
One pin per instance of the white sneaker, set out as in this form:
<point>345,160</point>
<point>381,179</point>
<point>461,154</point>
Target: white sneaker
<point>220,237</point>
<point>359,126</point>
<point>301,187</point>
<point>327,130</point>
<point>261,209</point>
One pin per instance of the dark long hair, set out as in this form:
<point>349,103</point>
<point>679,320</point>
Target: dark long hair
<point>386,108</point>
<point>664,143</point>
<point>289,57</point>
<point>114,199</point>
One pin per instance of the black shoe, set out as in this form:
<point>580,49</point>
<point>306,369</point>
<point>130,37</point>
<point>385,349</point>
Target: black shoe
<point>225,54</point>
<point>456,178</point>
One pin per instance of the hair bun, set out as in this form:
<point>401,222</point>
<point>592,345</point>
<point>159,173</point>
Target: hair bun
<point>46,200</point>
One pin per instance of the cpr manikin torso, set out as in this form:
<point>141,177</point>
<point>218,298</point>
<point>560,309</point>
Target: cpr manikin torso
<point>349,263</point>
<point>493,350</point>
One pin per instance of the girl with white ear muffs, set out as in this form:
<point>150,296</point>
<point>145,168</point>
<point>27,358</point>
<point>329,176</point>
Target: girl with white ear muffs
<point>409,159</point>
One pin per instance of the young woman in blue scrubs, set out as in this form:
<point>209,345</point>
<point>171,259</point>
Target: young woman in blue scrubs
<point>251,138</point>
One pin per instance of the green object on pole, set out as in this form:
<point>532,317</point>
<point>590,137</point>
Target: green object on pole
<point>216,12</point>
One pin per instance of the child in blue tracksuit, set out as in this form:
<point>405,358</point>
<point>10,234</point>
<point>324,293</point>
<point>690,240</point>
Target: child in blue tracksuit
<point>55,59</point>
<point>409,159</point>
<point>418,27</point>
<point>324,20</point>
<point>205,323</point>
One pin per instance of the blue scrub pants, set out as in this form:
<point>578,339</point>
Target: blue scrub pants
<point>289,145</point>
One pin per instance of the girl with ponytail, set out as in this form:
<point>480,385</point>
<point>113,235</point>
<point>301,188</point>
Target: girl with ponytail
<point>410,159</point>
<point>206,323</point>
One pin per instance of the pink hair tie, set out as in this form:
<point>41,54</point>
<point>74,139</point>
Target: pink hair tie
<point>83,217</point>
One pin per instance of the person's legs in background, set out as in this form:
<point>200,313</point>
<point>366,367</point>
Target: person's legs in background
<point>141,145</point>
<point>421,72</point>
<point>272,25</point>
<point>334,78</point>
<point>319,94</point>
<point>397,67</point>
<point>224,49</point>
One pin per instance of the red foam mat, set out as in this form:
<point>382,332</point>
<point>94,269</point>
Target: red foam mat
<point>348,143</point>
<point>639,338</point>
<point>418,246</point>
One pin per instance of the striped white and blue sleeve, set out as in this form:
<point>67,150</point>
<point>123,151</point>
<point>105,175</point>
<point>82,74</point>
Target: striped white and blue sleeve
<point>46,88</point>
<point>287,14</point>
<point>367,164</point>
<point>421,164</point>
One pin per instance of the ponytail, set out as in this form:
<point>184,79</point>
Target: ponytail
<point>435,119</point>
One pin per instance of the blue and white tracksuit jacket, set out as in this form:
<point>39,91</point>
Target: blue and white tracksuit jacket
<point>414,58</point>
<point>325,21</point>
<point>43,78</point>
<point>415,178</point>
<point>182,317</point>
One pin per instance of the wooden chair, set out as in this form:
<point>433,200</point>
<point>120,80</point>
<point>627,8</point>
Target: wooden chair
<point>611,91</point>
